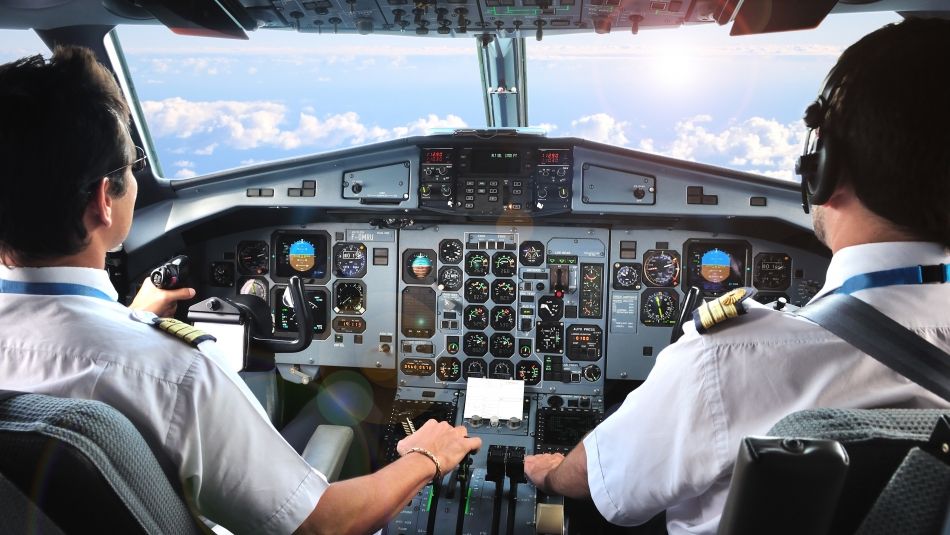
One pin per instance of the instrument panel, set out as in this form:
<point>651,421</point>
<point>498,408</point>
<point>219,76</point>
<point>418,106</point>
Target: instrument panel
<point>532,259</point>
<point>561,308</point>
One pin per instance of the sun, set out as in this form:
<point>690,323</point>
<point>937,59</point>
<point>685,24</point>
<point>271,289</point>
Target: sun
<point>673,68</point>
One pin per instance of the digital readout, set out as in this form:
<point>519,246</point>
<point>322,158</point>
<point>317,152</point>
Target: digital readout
<point>436,156</point>
<point>553,157</point>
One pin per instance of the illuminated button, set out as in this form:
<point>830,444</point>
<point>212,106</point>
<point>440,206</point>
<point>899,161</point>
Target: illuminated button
<point>493,183</point>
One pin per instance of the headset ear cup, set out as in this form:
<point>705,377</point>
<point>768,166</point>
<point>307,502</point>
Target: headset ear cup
<point>823,182</point>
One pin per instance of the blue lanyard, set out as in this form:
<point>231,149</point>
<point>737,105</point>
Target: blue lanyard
<point>937,273</point>
<point>51,288</point>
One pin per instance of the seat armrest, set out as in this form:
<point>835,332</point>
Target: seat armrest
<point>327,448</point>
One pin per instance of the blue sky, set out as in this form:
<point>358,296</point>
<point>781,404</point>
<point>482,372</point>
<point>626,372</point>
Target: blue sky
<point>693,93</point>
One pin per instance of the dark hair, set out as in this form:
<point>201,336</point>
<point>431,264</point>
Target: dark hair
<point>890,118</point>
<point>63,126</point>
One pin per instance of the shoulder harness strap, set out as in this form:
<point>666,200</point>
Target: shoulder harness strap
<point>182,330</point>
<point>725,307</point>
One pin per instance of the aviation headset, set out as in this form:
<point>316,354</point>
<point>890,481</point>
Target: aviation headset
<point>818,164</point>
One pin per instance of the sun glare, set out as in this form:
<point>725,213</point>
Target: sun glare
<point>673,68</point>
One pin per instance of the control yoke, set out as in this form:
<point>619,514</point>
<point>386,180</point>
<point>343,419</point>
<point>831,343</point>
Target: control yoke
<point>262,338</point>
<point>253,312</point>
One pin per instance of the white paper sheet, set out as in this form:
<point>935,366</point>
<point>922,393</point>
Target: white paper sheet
<point>230,342</point>
<point>494,398</point>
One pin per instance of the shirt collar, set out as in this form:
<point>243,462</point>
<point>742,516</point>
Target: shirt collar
<point>94,278</point>
<point>871,257</point>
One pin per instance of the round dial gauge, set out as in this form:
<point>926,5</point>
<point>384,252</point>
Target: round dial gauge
<point>349,298</point>
<point>503,318</point>
<point>531,253</point>
<point>504,264</point>
<point>420,265</point>
<point>254,286</point>
<point>450,251</point>
<point>502,345</point>
<point>503,291</point>
<point>528,371</point>
<point>450,278</point>
<point>349,259</point>
<point>474,368</point>
<point>661,267</point>
<point>501,369</point>
<point>477,263</point>
<point>476,290</point>
<point>475,317</point>
<point>448,369</point>
<point>222,274</point>
<point>550,308</point>
<point>252,257</point>
<point>773,271</point>
<point>475,344</point>
<point>659,308</point>
<point>626,276</point>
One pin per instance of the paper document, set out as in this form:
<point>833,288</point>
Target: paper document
<point>230,342</point>
<point>494,398</point>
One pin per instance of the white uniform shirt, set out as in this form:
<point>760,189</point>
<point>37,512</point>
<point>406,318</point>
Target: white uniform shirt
<point>239,470</point>
<point>673,443</point>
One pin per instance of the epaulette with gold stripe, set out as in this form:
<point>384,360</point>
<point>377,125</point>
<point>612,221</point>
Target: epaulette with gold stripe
<point>182,330</point>
<point>725,307</point>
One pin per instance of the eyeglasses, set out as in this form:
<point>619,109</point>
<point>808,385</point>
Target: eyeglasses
<point>137,164</point>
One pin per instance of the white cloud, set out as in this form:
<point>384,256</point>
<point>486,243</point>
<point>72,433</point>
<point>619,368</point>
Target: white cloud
<point>600,127</point>
<point>184,163</point>
<point>757,145</point>
<point>206,151</point>
<point>251,124</point>
<point>185,173</point>
<point>547,127</point>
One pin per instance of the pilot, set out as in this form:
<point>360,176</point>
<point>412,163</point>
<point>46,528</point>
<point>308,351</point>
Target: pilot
<point>671,445</point>
<point>68,194</point>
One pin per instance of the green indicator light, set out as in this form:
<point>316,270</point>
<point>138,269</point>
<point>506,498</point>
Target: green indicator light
<point>468,500</point>
<point>429,503</point>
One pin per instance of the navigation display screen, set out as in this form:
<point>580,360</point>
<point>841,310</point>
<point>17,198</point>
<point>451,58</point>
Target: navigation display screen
<point>495,161</point>
<point>418,312</point>
<point>300,253</point>
<point>285,320</point>
<point>715,266</point>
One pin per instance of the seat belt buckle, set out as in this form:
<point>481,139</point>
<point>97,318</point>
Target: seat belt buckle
<point>934,273</point>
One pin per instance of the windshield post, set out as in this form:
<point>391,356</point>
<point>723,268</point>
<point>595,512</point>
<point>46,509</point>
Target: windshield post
<point>504,80</point>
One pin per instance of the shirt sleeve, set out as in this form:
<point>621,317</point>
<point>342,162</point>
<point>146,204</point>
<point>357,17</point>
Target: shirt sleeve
<point>241,473</point>
<point>666,443</point>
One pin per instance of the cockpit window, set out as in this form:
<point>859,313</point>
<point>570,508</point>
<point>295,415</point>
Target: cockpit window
<point>692,93</point>
<point>213,104</point>
<point>15,44</point>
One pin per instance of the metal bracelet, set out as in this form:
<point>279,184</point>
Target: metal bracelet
<point>432,457</point>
